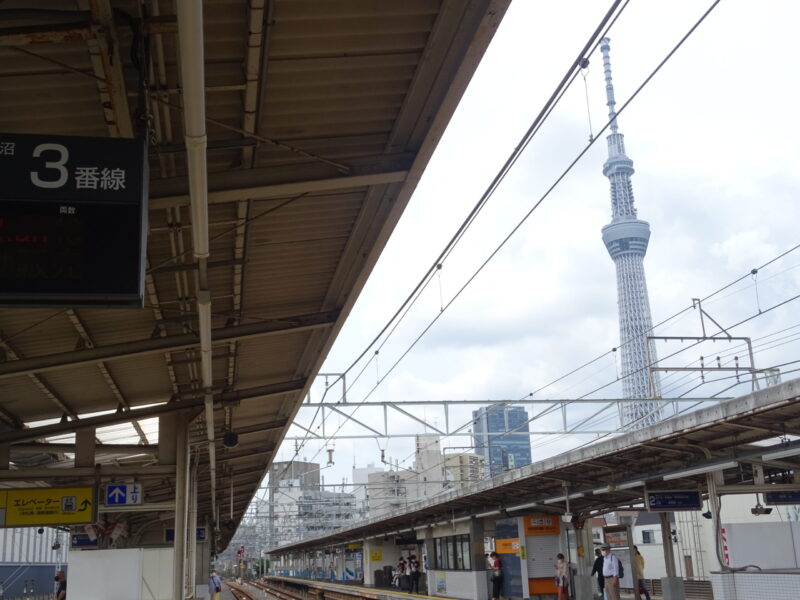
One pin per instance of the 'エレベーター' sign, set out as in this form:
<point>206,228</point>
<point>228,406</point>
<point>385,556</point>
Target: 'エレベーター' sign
<point>47,506</point>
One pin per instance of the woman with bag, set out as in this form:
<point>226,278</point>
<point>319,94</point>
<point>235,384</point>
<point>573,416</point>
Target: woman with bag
<point>496,575</point>
<point>562,579</point>
<point>214,586</point>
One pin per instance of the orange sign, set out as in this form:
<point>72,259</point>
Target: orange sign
<point>542,525</point>
<point>507,546</point>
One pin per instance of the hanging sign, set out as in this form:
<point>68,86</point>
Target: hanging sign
<point>660,501</point>
<point>73,220</point>
<point>47,506</point>
<point>542,525</point>
<point>782,497</point>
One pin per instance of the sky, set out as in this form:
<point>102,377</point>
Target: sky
<point>712,138</point>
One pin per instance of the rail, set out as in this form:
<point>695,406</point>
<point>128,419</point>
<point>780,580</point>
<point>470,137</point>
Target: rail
<point>291,588</point>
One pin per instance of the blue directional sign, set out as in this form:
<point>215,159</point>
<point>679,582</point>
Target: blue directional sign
<point>782,497</point>
<point>667,500</point>
<point>82,540</point>
<point>123,493</point>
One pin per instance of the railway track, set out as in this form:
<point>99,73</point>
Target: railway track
<point>240,592</point>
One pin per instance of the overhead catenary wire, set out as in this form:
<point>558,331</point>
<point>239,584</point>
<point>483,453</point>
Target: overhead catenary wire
<point>573,72</point>
<point>600,31</point>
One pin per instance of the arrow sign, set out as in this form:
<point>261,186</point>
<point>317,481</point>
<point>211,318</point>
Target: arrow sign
<point>116,494</point>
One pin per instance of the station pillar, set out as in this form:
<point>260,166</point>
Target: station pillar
<point>181,514</point>
<point>430,576</point>
<point>584,582</point>
<point>671,585</point>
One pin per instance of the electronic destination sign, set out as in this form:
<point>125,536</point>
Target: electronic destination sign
<point>73,220</point>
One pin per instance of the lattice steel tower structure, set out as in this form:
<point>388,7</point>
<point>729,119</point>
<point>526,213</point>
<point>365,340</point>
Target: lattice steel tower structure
<point>626,239</point>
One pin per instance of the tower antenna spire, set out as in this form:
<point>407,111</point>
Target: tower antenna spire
<point>610,101</point>
<point>626,239</point>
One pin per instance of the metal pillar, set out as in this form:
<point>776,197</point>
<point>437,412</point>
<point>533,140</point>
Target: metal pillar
<point>192,525</point>
<point>666,540</point>
<point>584,582</point>
<point>181,493</point>
<point>671,585</point>
<point>430,575</point>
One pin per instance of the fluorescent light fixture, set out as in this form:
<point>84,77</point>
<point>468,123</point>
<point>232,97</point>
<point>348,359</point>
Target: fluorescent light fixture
<point>701,470</point>
<point>521,506</point>
<point>562,498</point>
<point>491,513</point>
<point>626,485</point>
<point>554,499</point>
<point>782,453</point>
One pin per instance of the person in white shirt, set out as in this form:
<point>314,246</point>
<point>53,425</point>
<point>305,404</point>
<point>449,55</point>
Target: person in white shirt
<point>610,572</point>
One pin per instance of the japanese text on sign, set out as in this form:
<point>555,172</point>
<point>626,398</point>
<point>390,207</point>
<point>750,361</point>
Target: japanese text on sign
<point>48,506</point>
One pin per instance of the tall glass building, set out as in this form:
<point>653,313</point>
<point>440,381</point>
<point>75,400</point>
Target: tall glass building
<point>501,435</point>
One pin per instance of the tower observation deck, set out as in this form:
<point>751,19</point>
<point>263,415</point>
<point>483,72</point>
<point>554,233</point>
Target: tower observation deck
<point>626,239</point>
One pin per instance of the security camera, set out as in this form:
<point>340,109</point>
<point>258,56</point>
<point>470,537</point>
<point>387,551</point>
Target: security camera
<point>230,439</point>
<point>760,510</point>
<point>56,546</point>
<point>40,531</point>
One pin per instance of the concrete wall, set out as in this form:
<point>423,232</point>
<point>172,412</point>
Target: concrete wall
<point>766,545</point>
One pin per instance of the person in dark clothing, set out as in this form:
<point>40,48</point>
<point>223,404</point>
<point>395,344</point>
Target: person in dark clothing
<point>496,575</point>
<point>598,569</point>
<point>61,592</point>
<point>413,567</point>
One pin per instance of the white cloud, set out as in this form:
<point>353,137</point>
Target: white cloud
<point>713,139</point>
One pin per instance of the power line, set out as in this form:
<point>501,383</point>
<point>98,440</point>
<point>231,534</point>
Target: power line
<point>544,196</point>
<point>594,40</point>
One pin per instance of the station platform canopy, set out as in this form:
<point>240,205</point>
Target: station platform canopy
<point>318,120</point>
<point>745,441</point>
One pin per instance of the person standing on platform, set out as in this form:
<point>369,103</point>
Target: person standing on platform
<point>611,572</point>
<point>61,578</point>
<point>639,562</point>
<point>598,570</point>
<point>413,567</point>
<point>214,586</point>
<point>399,572</point>
<point>496,568</point>
<point>562,580</point>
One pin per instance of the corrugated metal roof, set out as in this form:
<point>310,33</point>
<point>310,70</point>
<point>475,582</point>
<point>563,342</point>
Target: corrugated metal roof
<point>352,96</point>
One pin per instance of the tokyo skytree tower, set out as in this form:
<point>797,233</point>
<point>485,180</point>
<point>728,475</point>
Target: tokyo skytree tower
<point>626,239</point>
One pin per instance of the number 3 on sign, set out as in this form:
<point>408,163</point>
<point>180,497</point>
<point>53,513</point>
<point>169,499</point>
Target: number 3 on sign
<point>57,165</point>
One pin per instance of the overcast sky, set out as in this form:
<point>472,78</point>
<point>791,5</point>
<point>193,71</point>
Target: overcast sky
<point>713,139</point>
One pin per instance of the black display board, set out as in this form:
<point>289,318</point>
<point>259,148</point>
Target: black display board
<point>73,220</point>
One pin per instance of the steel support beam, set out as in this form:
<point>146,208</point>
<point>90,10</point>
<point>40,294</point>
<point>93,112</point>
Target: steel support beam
<point>36,474</point>
<point>263,391</point>
<point>236,193</point>
<point>98,449</point>
<point>78,29</point>
<point>66,360</point>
